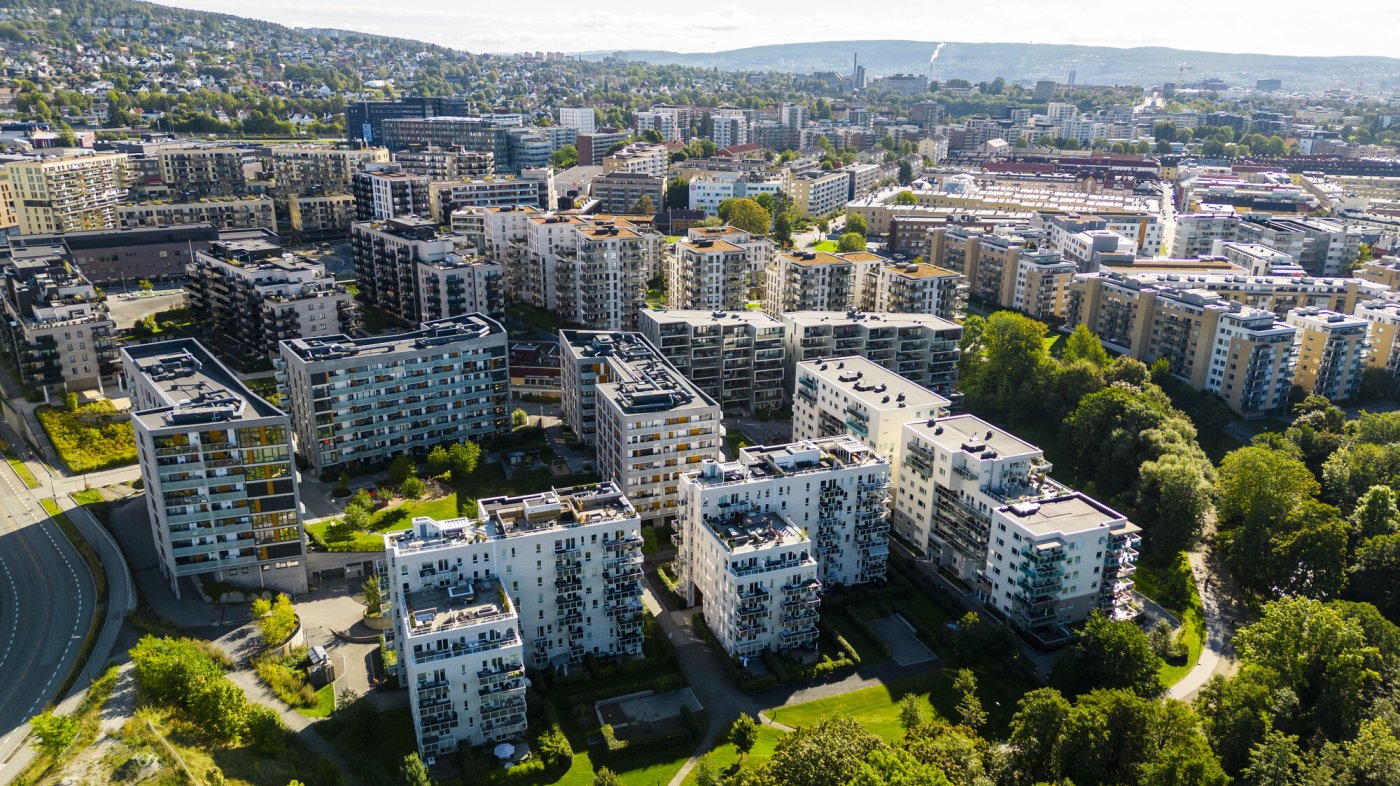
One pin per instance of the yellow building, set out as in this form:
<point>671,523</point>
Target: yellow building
<point>1332,350</point>
<point>1384,318</point>
<point>68,194</point>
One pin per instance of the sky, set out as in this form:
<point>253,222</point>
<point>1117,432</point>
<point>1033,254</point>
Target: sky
<point>1285,27</point>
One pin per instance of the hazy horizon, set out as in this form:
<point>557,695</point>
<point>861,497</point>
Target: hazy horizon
<point>553,25</point>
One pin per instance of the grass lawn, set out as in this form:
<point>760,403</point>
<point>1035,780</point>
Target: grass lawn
<point>1173,588</point>
<point>726,758</point>
<point>325,703</point>
<point>824,245</point>
<point>877,708</point>
<point>93,437</point>
<point>866,646</point>
<point>733,440</point>
<point>21,469</point>
<point>379,762</point>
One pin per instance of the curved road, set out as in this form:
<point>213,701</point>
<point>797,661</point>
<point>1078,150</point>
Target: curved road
<point>47,600</point>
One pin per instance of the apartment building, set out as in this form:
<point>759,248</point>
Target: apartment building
<point>979,502</point>
<point>1192,235</point>
<point>1278,294</point>
<point>364,401</point>
<point>647,423</point>
<point>728,130</point>
<point>921,348</point>
<point>388,255</point>
<point>68,194</point>
<point>247,296</point>
<point>1384,318</point>
<point>203,172</point>
<point>1042,286</point>
<point>1254,360</point>
<point>385,191</point>
<point>1001,269</point>
<point>533,188</point>
<point>579,118</point>
<point>735,357</point>
<point>317,217</point>
<point>758,538</point>
<point>708,190</point>
<point>716,268</point>
<point>821,194</point>
<point>460,284</point>
<point>225,214</point>
<point>1257,259</point>
<point>817,281</point>
<point>916,288</point>
<point>593,148</point>
<point>1332,352</point>
<point>122,257</point>
<point>541,581</point>
<point>639,159</point>
<point>602,283</point>
<point>307,169</point>
<point>56,327</point>
<point>857,397</point>
<point>216,461</point>
<point>452,163</point>
<point>1384,271</point>
<point>1321,246</point>
<point>622,192</point>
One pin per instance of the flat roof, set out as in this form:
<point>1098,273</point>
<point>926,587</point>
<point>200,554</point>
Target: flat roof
<point>813,258</point>
<point>808,318</point>
<point>448,330</point>
<point>643,380</point>
<point>1066,514</point>
<point>709,246</point>
<point>471,602</point>
<point>701,316</point>
<point>197,389</point>
<point>955,432</point>
<point>921,270</point>
<point>876,386</point>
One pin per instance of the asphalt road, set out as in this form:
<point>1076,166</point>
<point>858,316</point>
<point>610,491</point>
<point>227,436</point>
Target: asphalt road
<point>47,598</point>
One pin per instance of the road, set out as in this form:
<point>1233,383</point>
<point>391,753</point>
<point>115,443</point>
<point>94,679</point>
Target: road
<point>47,599</point>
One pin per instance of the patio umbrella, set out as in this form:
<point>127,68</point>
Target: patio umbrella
<point>504,750</point>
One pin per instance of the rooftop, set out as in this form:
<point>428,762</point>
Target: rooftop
<point>701,316</point>
<point>1066,514</point>
<point>971,434</point>
<point>641,380</point>
<point>874,385</point>
<point>707,246</point>
<point>439,332</point>
<point>920,270</point>
<point>197,389</point>
<point>808,318</point>
<point>473,602</point>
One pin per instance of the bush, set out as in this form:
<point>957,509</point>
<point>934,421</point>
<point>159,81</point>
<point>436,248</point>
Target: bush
<point>277,619</point>
<point>93,437</point>
<point>554,750</point>
<point>265,730</point>
<point>286,680</point>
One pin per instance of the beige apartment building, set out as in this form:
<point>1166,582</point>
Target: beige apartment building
<point>68,194</point>
<point>1384,316</point>
<point>1332,352</point>
<point>717,268</point>
<point>816,281</point>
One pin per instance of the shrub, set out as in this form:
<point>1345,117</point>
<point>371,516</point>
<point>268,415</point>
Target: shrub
<point>554,750</point>
<point>265,730</point>
<point>92,437</point>
<point>276,619</point>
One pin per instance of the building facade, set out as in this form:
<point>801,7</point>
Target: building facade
<point>922,348</point>
<point>68,194</point>
<point>56,327</point>
<point>737,358</point>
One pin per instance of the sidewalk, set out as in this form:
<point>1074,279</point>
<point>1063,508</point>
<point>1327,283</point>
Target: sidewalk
<point>300,725</point>
<point>1222,611</point>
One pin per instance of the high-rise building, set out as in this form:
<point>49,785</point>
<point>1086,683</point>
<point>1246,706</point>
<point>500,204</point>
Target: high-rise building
<point>542,580</point>
<point>921,348</point>
<point>68,194</point>
<point>717,268</point>
<point>1332,352</point>
<point>56,327</point>
<point>364,401</point>
<point>817,281</point>
<point>1384,318</point>
<point>312,169</point>
<point>916,288</point>
<point>603,284</point>
<point>224,214</point>
<point>203,172</point>
<point>647,423</point>
<point>579,118</point>
<point>388,255</point>
<point>216,460</point>
<point>385,191</point>
<point>248,295</point>
<point>460,284</point>
<point>622,192</point>
<point>980,503</point>
<point>735,357</point>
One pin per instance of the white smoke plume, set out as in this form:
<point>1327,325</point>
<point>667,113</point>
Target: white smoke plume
<point>935,53</point>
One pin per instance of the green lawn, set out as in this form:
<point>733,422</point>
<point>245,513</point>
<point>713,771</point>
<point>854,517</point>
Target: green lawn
<point>325,703</point>
<point>824,245</point>
<point>877,708</point>
<point>1174,589</point>
<point>21,469</point>
<point>868,649</point>
<point>726,758</point>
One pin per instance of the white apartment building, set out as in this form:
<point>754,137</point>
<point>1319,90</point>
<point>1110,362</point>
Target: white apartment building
<point>1256,258</point>
<point>579,118</point>
<point>1192,235</point>
<point>820,194</point>
<point>662,122</point>
<point>534,187</point>
<point>708,190</point>
<point>1332,352</point>
<point>917,288</point>
<point>857,397</point>
<point>716,268</point>
<point>918,347</point>
<point>979,502</point>
<point>647,422</point>
<point>364,401</point>
<point>549,242</point>
<point>540,580</point>
<point>216,461</point>
<point>735,357</point>
<point>729,130</point>
<point>639,159</point>
<point>603,283</point>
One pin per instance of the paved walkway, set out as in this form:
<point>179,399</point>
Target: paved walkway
<point>1224,613</point>
<point>301,726</point>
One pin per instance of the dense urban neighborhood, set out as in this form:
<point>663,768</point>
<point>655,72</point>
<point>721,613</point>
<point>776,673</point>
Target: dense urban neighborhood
<point>377,412</point>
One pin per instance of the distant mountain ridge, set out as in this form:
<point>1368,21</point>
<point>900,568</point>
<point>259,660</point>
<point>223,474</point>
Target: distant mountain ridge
<point>1021,62</point>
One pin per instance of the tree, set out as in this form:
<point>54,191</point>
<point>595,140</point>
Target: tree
<point>782,230</point>
<point>1375,573</point>
<point>1275,761</point>
<point>706,773</point>
<point>70,401</point>
<point>276,618</point>
<point>145,285</point>
<point>54,732</point>
<point>970,711</point>
<point>356,518</point>
<point>606,777</point>
<point>564,157</point>
<point>1235,714</point>
<point>1175,494</point>
<point>1257,486</point>
<point>1035,735</point>
<point>219,709</point>
<point>644,205</point>
<point>905,198</point>
<point>913,711</point>
<point>1007,375</point>
<point>677,193</point>
<point>413,488</point>
<point>401,468</point>
<point>519,418</point>
<point>412,772</point>
<point>1109,654</point>
<point>373,596</point>
<point>905,173</point>
<point>1082,344</point>
<point>856,223</point>
<point>361,499</point>
<point>743,733</point>
<point>265,730</point>
<point>827,753</point>
<point>465,457</point>
<point>895,767</point>
<point>342,486</point>
<point>748,215</point>
<point>850,241</point>
<point>438,461</point>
